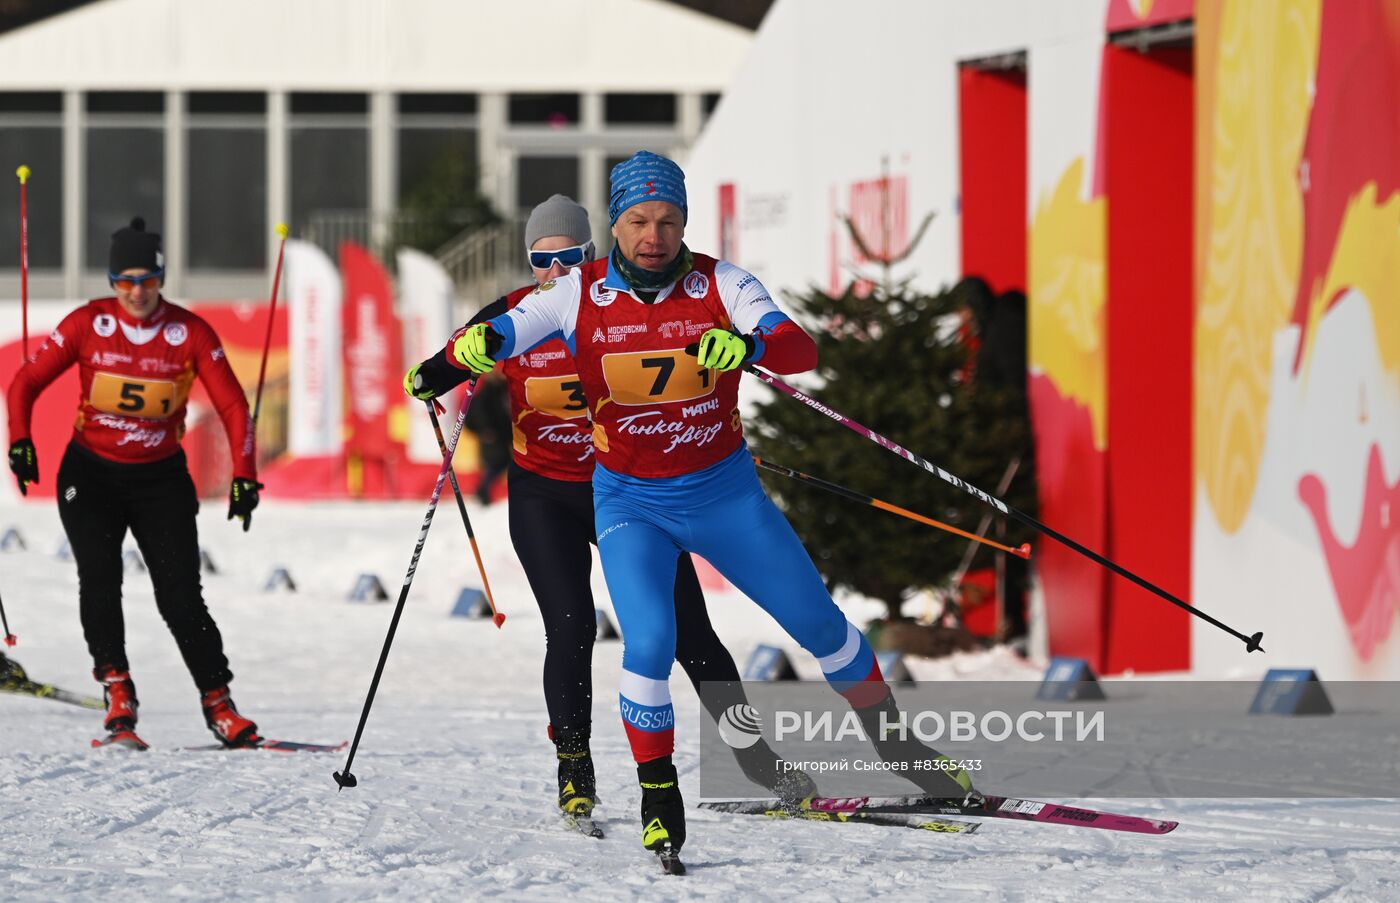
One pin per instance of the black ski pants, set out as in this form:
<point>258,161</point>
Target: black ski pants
<point>98,502</point>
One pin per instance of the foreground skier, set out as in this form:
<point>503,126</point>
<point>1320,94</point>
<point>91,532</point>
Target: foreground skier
<point>673,471</point>
<point>552,526</point>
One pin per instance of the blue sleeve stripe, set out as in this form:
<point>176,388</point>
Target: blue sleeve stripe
<point>772,319</point>
<point>506,327</point>
<point>758,348</point>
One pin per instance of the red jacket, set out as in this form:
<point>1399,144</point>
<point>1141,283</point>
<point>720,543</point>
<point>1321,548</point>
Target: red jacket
<point>135,377</point>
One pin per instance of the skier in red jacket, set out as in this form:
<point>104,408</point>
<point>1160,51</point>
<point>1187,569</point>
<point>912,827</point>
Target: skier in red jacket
<point>137,356</point>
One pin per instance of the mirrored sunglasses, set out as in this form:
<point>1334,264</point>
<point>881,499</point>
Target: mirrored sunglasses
<point>569,257</point>
<point>149,279</point>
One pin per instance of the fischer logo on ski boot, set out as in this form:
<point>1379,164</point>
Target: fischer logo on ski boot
<point>663,812</point>
<point>578,792</point>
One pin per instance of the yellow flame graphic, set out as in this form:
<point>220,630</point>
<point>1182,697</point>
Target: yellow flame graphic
<point>1257,95</point>
<point>1067,294</point>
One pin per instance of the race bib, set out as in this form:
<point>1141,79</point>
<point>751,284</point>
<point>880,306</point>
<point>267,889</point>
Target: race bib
<point>133,396</point>
<point>557,396</point>
<point>653,377</point>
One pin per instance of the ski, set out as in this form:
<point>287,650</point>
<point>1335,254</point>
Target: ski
<point>584,824</point>
<point>990,807</point>
<point>126,739</point>
<point>275,746</point>
<point>893,819</point>
<point>14,680</point>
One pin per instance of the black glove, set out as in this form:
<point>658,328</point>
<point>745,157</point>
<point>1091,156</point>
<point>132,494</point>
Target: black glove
<point>242,499</point>
<point>24,463</point>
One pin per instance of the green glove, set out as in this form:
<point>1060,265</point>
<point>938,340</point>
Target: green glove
<point>24,463</point>
<point>415,387</point>
<point>722,350</point>
<point>470,349</point>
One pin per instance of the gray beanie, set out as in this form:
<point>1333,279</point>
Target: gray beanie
<point>559,215</point>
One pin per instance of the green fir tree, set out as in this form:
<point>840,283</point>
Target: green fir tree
<point>897,362</point>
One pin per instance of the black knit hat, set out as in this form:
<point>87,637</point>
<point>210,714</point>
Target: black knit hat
<point>135,248</point>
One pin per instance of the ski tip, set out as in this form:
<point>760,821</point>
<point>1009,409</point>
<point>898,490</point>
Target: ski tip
<point>498,619</point>
<point>124,740</point>
<point>345,780</point>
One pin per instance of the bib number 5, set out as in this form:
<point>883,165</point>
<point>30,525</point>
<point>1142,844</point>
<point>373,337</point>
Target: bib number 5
<point>135,397</point>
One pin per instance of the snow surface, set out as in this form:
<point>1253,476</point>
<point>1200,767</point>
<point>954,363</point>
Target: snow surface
<point>456,775</point>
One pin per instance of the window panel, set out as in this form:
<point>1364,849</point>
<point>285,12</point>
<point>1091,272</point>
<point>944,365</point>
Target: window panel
<point>329,102</point>
<point>41,149</point>
<point>544,109</point>
<point>125,177</point>
<point>125,102</point>
<point>31,102</point>
<point>539,177</point>
<point>427,155</point>
<point>639,109</point>
<point>329,172</point>
<point>439,104</point>
<point>226,102</point>
<point>227,197</point>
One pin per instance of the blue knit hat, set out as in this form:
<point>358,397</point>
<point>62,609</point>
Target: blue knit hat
<point>646,177</point>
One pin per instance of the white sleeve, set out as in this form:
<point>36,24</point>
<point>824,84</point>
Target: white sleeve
<point>549,312</point>
<point>748,303</point>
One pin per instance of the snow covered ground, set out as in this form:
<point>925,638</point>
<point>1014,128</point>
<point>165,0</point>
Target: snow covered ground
<point>456,775</point>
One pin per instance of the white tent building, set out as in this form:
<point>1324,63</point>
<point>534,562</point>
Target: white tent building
<point>217,120</point>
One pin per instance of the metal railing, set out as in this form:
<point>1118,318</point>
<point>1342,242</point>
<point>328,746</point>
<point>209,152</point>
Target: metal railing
<point>486,262</point>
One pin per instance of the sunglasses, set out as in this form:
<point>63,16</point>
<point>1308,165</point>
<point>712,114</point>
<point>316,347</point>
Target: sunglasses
<point>568,257</point>
<point>145,280</point>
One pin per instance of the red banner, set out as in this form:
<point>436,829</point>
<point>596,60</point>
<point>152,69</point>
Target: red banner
<point>371,352</point>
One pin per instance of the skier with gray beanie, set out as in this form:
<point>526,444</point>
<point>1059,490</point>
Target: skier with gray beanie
<point>552,523</point>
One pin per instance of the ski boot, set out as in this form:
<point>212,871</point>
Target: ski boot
<point>764,767</point>
<point>578,792</point>
<point>232,729</point>
<point>663,813</point>
<point>952,783</point>
<point>119,692</point>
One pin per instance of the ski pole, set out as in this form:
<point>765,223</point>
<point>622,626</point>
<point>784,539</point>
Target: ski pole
<point>23,173</point>
<point>271,311</point>
<point>496,617</point>
<point>966,564</point>
<point>345,778</point>
<point>1251,643</point>
<point>10,638</point>
<point>1024,551</point>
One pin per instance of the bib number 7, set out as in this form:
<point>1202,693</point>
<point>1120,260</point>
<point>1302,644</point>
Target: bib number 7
<point>655,377</point>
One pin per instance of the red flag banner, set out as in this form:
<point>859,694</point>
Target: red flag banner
<point>371,352</point>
